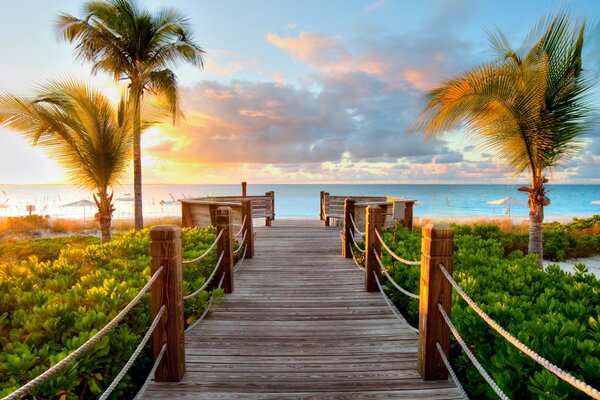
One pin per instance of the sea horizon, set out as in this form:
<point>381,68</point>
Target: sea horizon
<point>294,200</point>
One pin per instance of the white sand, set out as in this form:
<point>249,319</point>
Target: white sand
<point>592,264</point>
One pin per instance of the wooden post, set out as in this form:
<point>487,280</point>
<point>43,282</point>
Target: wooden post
<point>321,197</point>
<point>408,214</point>
<point>374,221</point>
<point>348,228</point>
<point>244,189</point>
<point>186,216</point>
<point>437,247</point>
<point>225,246</point>
<point>270,201</point>
<point>165,251</point>
<point>248,228</point>
<point>324,208</point>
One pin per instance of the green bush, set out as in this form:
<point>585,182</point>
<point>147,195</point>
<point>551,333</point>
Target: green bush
<point>48,309</point>
<point>554,313</point>
<point>44,249</point>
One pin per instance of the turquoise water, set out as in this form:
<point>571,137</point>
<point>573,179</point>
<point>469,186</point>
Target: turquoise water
<point>303,200</point>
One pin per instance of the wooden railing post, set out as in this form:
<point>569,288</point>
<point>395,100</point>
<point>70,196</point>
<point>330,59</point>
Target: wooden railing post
<point>269,216</point>
<point>186,216</point>
<point>165,251</point>
<point>348,228</point>
<point>224,218</point>
<point>437,247</point>
<point>374,221</point>
<point>324,208</point>
<point>244,184</point>
<point>248,228</point>
<point>321,210</point>
<point>408,214</point>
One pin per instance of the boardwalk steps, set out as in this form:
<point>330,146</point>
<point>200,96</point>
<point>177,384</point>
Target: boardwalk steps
<point>301,325</point>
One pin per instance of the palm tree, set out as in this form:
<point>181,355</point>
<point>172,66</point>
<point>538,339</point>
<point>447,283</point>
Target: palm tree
<point>528,107</point>
<point>79,127</point>
<point>128,42</point>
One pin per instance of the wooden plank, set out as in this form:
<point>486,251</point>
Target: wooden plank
<point>301,325</point>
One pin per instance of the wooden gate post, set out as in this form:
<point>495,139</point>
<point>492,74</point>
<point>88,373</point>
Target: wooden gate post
<point>270,202</point>
<point>437,247</point>
<point>408,214</point>
<point>324,217</point>
<point>165,251</point>
<point>186,215</point>
<point>321,197</point>
<point>244,184</point>
<point>248,228</point>
<point>374,222</point>
<point>224,218</point>
<point>348,231</point>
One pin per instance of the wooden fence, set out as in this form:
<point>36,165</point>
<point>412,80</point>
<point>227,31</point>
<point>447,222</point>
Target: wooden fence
<point>395,209</point>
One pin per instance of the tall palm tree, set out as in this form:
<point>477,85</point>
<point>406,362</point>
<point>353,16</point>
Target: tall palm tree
<point>80,128</point>
<point>128,42</point>
<point>528,107</point>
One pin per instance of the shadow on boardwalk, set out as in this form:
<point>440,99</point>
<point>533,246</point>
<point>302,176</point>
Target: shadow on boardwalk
<point>300,325</point>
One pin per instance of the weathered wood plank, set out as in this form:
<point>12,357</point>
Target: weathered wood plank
<point>301,325</point>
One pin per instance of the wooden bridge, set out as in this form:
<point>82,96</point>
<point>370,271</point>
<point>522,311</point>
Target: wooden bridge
<point>300,324</point>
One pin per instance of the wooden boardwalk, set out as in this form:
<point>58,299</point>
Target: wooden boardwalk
<point>300,325</point>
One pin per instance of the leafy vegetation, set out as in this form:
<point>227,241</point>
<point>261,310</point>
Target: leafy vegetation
<point>49,308</point>
<point>42,249</point>
<point>553,312</point>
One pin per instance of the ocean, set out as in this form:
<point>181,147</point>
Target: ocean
<point>302,200</point>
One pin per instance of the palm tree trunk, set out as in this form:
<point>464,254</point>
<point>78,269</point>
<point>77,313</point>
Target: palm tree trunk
<point>137,159</point>
<point>537,200</point>
<point>104,215</point>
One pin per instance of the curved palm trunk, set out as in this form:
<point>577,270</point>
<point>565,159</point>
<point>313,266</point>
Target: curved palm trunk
<point>137,159</point>
<point>104,215</point>
<point>537,201</point>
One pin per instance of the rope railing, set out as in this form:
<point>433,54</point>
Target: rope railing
<point>140,392</point>
<point>89,343</point>
<point>241,228</point>
<point>394,255</point>
<point>392,281</point>
<point>471,356</point>
<point>203,255</point>
<point>565,376</point>
<point>391,305</point>
<point>241,244</point>
<point>354,225</point>
<point>361,267</point>
<point>134,355</point>
<point>240,263</point>
<point>208,280</point>
<point>451,370</point>
<point>355,244</point>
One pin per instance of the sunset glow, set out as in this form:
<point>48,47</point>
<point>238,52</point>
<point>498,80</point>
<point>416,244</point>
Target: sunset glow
<point>295,97</point>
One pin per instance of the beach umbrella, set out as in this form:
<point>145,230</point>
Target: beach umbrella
<point>81,203</point>
<point>596,202</point>
<point>507,201</point>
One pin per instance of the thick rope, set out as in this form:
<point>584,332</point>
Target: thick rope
<point>140,392</point>
<point>240,263</point>
<point>565,376</point>
<point>392,281</point>
<point>451,371</point>
<point>135,354</point>
<point>362,268</point>
<point>354,225</point>
<point>355,244</point>
<point>471,356</point>
<point>212,275</point>
<point>391,305</point>
<point>241,228</point>
<point>91,341</point>
<point>241,244</point>
<point>206,310</point>
<point>200,257</point>
<point>391,253</point>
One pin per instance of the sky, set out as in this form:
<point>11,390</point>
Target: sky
<point>297,91</point>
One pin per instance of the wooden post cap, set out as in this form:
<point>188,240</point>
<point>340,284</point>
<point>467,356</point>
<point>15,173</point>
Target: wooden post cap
<point>165,232</point>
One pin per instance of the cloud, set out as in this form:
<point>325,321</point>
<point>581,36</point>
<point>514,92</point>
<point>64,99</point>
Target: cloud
<point>376,5</point>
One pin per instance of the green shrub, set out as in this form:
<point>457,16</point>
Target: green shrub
<point>48,309</point>
<point>553,312</point>
<point>44,249</point>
